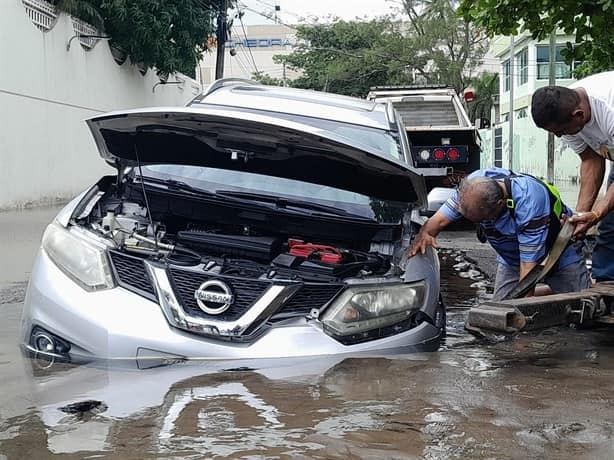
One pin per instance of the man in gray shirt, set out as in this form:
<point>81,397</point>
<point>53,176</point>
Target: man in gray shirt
<point>583,115</point>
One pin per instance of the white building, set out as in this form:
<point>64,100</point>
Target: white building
<point>251,51</point>
<point>527,69</point>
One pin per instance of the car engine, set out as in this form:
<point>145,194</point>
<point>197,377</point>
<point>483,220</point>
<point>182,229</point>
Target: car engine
<point>239,250</point>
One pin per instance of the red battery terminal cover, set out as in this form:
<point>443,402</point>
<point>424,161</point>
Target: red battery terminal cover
<point>328,254</point>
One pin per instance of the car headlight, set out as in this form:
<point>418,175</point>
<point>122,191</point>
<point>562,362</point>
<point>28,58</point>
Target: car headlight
<point>364,308</point>
<point>83,261</point>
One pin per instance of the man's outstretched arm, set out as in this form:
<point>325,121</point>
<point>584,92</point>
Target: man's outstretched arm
<point>592,170</point>
<point>428,233</point>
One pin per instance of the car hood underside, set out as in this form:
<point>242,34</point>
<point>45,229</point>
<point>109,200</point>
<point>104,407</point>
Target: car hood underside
<point>262,144</point>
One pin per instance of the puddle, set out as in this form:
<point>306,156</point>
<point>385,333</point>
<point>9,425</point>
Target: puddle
<point>536,395</point>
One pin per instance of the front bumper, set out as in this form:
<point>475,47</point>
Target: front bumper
<point>117,323</point>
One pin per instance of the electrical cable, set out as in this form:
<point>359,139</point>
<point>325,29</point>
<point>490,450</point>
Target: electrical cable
<point>245,36</point>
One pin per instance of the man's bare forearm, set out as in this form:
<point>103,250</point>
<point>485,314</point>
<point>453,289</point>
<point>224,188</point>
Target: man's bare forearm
<point>428,233</point>
<point>592,170</point>
<point>436,224</point>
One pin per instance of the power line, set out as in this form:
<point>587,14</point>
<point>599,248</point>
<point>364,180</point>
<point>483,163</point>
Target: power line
<point>247,61</point>
<point>296,15</point>
<point>245,7</point>
<point>245,36</point>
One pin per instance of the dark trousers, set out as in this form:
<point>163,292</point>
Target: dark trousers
<point>603,254</point>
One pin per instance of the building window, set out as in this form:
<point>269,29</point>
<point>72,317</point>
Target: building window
<point>522,61</point>
<point>498,147</point>
<point>506,75</point>
<point>562,70</point>
<point>522,113</point>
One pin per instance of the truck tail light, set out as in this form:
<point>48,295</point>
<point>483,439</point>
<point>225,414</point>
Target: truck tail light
<point>453,155</point>
<point>439,154</point>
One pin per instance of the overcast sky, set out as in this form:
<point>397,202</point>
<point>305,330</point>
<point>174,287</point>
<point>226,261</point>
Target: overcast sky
<point>293,10</point>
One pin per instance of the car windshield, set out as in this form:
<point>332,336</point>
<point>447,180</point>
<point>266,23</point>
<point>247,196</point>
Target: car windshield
<point>214,180</point>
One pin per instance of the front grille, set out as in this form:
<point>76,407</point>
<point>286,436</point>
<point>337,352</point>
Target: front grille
<point>245,291</point>
<point>131,273</point>
<point>308,297</point>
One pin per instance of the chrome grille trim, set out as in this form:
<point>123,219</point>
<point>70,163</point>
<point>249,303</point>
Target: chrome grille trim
<point>271,300</point>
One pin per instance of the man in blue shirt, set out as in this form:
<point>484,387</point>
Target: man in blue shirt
<point>517,215</point>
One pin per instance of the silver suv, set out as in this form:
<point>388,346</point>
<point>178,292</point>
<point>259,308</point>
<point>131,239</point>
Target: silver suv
<point>257,222</point>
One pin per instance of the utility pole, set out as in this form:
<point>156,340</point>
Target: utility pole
<point>551,82</point>
<point>222,20</point>
<point>511,111</point>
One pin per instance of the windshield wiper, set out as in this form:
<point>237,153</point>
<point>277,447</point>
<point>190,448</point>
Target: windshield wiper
<point>286,203</point>
<point>173,184</point>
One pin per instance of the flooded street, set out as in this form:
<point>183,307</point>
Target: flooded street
<point>546,394</point>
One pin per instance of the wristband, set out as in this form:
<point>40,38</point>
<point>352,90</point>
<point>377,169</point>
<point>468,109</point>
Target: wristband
<point>597,214</point>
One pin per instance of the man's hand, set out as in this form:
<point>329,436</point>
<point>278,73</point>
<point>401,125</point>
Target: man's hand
<point>583,221</point>
<point>423,240</point>
<point>427,234</point>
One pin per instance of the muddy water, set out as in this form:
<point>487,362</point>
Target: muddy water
<point>541,395</point>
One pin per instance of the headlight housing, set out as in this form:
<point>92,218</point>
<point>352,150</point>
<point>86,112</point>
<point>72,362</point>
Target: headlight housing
<point>82,260</point>
<point>360,309</point>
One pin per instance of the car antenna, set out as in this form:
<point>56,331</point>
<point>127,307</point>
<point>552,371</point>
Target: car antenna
<point>138,163</point>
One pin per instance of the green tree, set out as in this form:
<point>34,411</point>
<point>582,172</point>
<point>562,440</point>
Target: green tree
<point>169,35</point>
<point>430,45</point>
<point>486,89</point>
<point>452,46</point>
<point>266,79</point>
<point>589,20</point>
<point>350,57</point>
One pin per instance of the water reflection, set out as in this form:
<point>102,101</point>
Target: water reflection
<point>536,395</point>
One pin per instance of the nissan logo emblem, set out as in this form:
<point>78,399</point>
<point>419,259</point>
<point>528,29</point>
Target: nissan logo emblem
<point>214,297</point>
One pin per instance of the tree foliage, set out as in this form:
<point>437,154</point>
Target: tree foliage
<point>590,21</point>
<point>266,79</point>
<point>428,43</point>
<point>454,47</point>
<point>169,35</point>
<point>485,89</point>
<point>350,57</point>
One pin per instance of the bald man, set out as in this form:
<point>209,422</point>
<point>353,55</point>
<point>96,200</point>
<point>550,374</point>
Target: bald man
<point>520,216</point>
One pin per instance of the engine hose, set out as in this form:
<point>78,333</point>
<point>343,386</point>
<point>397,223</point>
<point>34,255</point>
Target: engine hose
<point>168,247</point>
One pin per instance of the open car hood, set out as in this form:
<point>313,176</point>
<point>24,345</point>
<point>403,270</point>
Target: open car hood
<point>255,143</point>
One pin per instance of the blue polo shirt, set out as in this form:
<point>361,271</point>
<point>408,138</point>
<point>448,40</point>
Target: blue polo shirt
<point>522,238</point>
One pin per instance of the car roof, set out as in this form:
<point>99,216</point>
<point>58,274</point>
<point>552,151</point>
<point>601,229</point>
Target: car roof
<point>247,94</point>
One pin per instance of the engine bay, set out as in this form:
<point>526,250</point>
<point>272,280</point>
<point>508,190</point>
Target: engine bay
<point>234,246</point>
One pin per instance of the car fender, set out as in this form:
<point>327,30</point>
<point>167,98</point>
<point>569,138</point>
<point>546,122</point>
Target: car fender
<point>425,267</point>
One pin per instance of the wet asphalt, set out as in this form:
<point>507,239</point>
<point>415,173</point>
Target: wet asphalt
<point>546,394</point>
